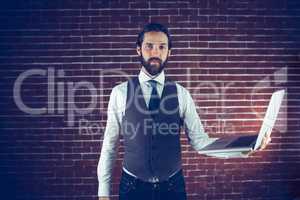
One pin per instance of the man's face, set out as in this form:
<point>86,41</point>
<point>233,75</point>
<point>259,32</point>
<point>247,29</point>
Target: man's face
<point>154,52</point>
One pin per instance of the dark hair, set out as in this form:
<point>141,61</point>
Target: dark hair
<point>156,28</point>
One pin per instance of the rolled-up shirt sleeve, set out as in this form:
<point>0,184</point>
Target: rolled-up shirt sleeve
<point>109,146</point>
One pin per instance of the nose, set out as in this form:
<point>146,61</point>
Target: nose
<point>155,51</point>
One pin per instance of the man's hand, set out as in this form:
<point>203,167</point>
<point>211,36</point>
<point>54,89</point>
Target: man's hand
<point>104,198</point>
<point>266,140</point>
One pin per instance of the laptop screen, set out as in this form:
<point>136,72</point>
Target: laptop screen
<point>270,116</point>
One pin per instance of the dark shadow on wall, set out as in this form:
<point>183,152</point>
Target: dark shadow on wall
<point>282,176</point>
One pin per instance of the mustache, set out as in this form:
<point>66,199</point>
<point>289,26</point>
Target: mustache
<point>154,59</point>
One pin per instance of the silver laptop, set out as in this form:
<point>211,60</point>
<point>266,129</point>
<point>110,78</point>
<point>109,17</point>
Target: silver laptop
<point>238,144</point>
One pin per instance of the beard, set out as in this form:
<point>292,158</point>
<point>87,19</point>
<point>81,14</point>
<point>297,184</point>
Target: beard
<point>153,69</point>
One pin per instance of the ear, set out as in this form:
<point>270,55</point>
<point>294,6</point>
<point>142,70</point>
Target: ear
<point>138,50</point>
<point>169,52</point>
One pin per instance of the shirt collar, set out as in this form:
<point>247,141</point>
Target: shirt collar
<point>143,77</point>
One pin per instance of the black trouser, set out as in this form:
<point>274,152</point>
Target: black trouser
<point>132,188</point>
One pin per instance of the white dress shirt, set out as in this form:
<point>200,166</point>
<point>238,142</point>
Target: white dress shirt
<point>116,110</point>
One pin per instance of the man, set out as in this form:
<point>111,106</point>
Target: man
<point>149,111</point>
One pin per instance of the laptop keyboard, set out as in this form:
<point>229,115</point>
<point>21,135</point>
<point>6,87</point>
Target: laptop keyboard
<point>243,141</point>
<point>222,141</point>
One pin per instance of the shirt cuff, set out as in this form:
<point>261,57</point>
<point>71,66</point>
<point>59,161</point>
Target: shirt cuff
<point>204,143</point>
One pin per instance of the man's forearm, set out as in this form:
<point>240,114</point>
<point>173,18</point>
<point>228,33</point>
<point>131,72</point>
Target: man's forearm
<point>105,168</point>
<point>106,163</point>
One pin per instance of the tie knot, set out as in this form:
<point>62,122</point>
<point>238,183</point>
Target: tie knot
<point>153,83</point>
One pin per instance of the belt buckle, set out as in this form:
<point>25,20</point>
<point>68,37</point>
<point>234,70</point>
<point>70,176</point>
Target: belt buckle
<point>153,180</point>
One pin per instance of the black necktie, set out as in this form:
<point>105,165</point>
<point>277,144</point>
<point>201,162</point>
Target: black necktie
<point>154,99</point>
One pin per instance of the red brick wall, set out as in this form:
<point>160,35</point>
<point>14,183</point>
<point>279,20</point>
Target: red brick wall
<point>231,55</point>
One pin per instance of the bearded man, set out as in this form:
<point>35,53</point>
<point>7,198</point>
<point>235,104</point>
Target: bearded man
<point>149,111</point>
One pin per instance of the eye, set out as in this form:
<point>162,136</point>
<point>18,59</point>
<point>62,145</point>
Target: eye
<point>162,47</point>
<point>149,46</point>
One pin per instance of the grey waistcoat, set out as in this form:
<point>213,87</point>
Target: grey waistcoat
<point>152,143</point>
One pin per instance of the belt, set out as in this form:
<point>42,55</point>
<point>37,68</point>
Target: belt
<point>153,182</point>
<point>152,179</point>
